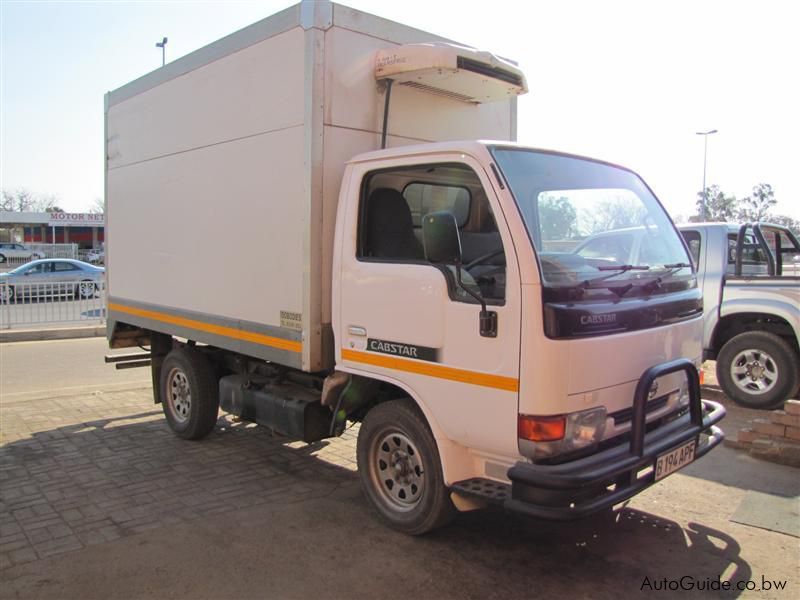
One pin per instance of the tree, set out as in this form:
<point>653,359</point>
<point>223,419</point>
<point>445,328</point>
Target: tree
<point>557,217</point>
<point>756,207</point>
<point>23,200</point>
<point>619,213</point>
<point>98,207</point>
<point>786,221</point>
<point>719,207</point>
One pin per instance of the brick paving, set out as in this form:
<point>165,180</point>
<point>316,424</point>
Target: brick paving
<point>84,470</point>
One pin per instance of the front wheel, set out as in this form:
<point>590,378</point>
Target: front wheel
<point>400,469</point>
<point>6,294</point>
<point>189,393</point>
<point>86,290</point>
<point>757,369</point>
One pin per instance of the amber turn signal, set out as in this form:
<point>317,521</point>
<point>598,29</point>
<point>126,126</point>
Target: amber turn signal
<point>541,429</point>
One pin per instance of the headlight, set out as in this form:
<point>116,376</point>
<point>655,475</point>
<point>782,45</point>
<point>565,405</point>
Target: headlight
<point>553,435</point>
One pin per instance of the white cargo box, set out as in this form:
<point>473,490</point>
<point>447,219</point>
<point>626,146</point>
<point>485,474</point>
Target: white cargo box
<point>223,171</point>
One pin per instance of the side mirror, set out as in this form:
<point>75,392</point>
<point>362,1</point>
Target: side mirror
<point>440,238</point>
<point>443,246</point>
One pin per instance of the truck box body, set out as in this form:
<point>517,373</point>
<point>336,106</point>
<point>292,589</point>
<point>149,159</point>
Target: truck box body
<point>223,171</point>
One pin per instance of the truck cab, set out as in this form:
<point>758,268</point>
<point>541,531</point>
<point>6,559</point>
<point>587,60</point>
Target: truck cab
<point>523,355</point>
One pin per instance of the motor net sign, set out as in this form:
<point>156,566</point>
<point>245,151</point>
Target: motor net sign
<point>76,220</point>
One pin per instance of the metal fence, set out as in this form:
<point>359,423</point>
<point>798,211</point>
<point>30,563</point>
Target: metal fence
<point>52,303</point>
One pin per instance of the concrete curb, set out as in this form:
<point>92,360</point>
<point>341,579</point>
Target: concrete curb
<point>55,333</point>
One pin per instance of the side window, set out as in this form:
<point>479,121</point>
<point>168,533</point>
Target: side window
<point>60,267</point>
<point>424,198</point>
<point>692,239</point>
<point>393,204</point>
<point>754,259</point>
<point>38,269</point>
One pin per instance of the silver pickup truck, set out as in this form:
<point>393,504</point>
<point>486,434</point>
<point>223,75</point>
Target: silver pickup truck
<point>750,277</point>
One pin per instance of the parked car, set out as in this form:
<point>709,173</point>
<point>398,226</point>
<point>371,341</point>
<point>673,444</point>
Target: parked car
<point>51,277</point>
<point>96,256</point>
<point>751,288</point>
<point>15,252</point>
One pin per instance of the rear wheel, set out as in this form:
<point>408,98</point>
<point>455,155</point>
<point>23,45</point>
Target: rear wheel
<point>400,469</point>
<point>758,369</point>
<point>86,289</point>
<point>189,393</point>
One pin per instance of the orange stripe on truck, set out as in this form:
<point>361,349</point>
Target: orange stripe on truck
<point>499,382</point>
<point>230,332</point>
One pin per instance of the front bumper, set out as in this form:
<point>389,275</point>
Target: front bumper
<point>584,486</point>
<point>587,485</point>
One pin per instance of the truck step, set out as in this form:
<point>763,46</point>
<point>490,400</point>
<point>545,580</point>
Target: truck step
<point>486,489</point>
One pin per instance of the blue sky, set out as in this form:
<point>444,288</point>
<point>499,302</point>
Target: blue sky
<point>628,82</point>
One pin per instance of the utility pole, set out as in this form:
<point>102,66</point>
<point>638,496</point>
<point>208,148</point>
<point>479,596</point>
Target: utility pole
<point>705,134</point>
<point>163,44</point>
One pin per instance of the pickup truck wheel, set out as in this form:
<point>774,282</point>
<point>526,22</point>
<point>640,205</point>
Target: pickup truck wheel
<point>400,469</point>
<point>757,369</point>
<point>189,393</point>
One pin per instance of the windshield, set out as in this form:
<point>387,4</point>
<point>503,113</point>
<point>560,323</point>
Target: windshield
<point>591,222</point>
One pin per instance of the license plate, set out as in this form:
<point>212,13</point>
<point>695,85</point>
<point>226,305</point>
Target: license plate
<point>671,461</point>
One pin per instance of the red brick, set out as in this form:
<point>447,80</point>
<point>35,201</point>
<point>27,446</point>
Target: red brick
<point>780,417</point>
<point>793,433</point>
<point>764,426</point>
<point>747,435</point>
<point>792,407</point>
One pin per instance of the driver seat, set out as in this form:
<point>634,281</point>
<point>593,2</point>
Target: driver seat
<point>390,229</point>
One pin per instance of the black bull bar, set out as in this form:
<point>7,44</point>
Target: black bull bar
<point>581,487</point>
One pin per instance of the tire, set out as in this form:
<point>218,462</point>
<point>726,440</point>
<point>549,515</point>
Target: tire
<point>757,369</point>
<point>6,294</point>
<point>189,393</point>
<point>85,290</point>
<point>411,497</point>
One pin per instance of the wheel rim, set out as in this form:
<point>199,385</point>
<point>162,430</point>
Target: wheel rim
<point>396,470</point>
<point>754,371</point>
<point>179,395</point>
<point>86,289</point>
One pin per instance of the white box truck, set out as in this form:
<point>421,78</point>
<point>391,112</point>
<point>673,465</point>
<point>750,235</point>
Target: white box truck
<point>282,266</point>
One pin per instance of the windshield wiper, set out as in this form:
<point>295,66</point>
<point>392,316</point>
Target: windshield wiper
<point>623,268</point>
<point>677,266</point>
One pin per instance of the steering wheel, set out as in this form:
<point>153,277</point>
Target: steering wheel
<point>483,258</point>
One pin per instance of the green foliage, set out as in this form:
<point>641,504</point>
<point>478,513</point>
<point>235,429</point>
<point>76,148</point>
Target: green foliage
<point>558,218</point>
<point>616,214</point>
<point>719,207</point>
<point>755,208</point>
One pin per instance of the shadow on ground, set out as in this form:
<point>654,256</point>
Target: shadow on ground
<point>247,500</point>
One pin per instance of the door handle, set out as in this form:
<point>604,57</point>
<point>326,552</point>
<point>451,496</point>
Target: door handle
<point>354,330</point>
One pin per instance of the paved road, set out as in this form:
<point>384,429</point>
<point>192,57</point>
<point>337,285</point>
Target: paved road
<point>98,499</point>
<point>33,369</point>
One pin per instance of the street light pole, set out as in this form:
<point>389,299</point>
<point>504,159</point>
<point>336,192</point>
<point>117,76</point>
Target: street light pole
<point>705,134</point>
<point>162,44</point>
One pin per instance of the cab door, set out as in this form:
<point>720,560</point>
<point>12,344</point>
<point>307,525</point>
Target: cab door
<point>404,320</point>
